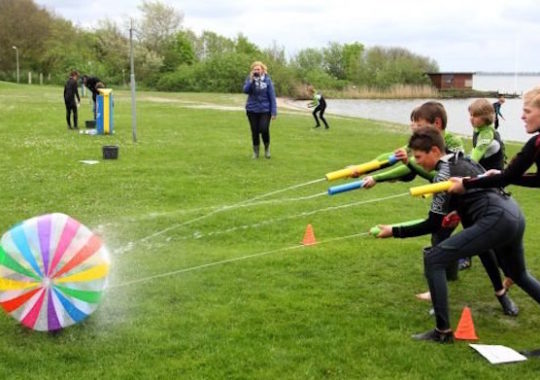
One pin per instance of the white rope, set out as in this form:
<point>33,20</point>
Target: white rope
<point>227,261</point>
<point>173,227</point>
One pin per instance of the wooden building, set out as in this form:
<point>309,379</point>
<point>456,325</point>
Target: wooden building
<point>452,81</point>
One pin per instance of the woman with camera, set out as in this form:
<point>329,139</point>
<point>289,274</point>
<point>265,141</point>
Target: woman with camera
<point>260,106</point>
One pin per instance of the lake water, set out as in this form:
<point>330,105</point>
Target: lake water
<point>398,111</point>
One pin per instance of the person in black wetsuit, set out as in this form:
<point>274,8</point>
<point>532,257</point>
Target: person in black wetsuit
<point>320,106</point>
<point>72,99</point>
<point>433,115</point>
<point>488,147</point>
<point>92,83</point>
<point>491,220</point>
<point>516,171</point>
<point>497,109</point>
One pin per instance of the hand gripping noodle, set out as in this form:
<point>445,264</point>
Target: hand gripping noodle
<point>376,230</point>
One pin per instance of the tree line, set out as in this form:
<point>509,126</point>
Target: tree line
<point>169,57</point>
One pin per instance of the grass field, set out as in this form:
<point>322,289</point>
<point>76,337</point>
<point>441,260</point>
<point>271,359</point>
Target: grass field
<point>209,279</point>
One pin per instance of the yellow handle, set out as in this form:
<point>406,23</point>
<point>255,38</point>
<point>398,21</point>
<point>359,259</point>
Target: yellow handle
<point>430,189</point>
<point>359,169</point>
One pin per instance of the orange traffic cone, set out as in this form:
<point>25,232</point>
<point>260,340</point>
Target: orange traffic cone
<point>465,328</point>
<point>309,236</point>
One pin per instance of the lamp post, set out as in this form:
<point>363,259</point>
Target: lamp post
<point>17,55</point>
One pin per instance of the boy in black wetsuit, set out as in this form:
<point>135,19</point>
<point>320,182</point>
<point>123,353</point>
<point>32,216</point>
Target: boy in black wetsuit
<point>320,106</point>
<point>497,109</point>
<point>516,171</point>
<point>488,147</point>
<point>93,83</point>
<point>72,99</point>
<point>433,114</point>
<point>491,220</point>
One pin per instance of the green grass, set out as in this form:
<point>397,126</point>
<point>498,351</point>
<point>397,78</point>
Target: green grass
<point>343,309</point>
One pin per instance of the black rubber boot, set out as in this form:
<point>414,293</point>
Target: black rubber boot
<point>509,307</point>
<point>255,151</point>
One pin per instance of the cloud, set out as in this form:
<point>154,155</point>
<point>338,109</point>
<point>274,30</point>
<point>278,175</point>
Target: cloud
<point>461,35</point>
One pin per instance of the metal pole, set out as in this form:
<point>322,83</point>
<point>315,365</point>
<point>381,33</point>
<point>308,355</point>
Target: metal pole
<point>17,55</point>
<point>132,82</point>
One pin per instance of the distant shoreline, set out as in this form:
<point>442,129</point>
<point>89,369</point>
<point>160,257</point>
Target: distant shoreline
<point>505,74</point>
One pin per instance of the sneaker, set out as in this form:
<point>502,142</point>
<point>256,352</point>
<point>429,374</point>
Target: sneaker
<point>464,263</point>
<point>508,306</point>
<point>435,336</point>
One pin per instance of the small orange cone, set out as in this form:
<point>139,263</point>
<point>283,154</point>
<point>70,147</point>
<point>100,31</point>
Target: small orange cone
<point>465,328</point>
<point>309,236</point>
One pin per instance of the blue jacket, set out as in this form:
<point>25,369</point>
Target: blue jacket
<point>261,95</point>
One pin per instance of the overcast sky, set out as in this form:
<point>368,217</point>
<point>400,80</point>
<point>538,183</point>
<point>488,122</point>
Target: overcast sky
<point>461,35</point>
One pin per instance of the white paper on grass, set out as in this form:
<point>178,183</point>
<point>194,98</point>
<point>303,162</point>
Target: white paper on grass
<point>497,354</point>
<point>90,162</point>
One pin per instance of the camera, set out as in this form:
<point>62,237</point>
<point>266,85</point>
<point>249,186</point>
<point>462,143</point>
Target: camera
<point>256,75</point>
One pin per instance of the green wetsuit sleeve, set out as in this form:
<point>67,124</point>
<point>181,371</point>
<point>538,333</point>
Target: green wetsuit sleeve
<point>314,101</point>
<point>404,172</point>
<point>453,142</point>
<point>482,145</point>
<point>395,173</point>
<point>383,156</point>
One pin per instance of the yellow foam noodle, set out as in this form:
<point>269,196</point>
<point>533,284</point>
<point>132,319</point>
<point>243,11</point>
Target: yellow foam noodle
<point>94,273</point>
<point>8,284</point>
<point>430,189</point>
<point>347,172</point>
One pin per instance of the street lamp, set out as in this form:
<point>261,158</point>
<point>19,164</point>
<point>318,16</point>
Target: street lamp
<point>17,55</point>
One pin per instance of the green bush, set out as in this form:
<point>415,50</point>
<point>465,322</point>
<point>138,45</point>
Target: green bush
<point>182,79</point>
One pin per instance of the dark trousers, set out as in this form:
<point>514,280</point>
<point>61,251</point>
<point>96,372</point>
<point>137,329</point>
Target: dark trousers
<point>320,109</point>
<point>500,230</point>
<point>488,259</point>
<point>452,269</point>
<point>71,107</point>
<point>260,125</point>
